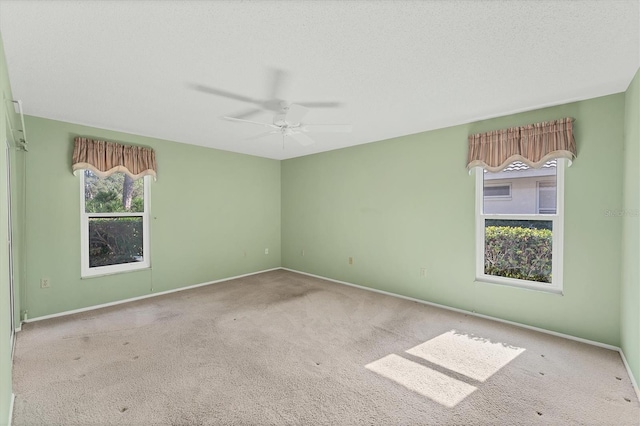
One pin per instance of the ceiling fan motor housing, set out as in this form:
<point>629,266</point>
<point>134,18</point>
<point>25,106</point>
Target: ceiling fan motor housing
<point>280,120</point>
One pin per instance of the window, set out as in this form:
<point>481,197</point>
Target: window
<point>115,223</point>
<point>519,238</point>
<point>547,197</point>
<point>497,191</point>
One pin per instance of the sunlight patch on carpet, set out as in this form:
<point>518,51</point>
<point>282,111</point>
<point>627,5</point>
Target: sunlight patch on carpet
<point>434,385</point>
<point>473,356</point>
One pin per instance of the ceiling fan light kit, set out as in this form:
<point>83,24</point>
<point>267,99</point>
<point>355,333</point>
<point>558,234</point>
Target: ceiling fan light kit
<point>289,123</point>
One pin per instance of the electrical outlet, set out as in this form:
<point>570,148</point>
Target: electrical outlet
<point>45,283</point>
<point>266,251</point>
<point>302,252</point>
<point>350,260</point>
<point>423,272</point>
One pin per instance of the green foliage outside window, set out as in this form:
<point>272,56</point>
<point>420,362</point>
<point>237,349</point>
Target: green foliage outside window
<point>113,194</point>
<point>115,240</point>
<point>518,252</point>
<point>111,202</point>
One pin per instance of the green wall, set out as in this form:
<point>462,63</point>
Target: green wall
<point>8,121</point>
<point>630,288</point>
<point>403,204</point>
<point>208,207</point>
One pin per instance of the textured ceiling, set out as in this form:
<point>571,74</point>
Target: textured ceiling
<point>398,68</point>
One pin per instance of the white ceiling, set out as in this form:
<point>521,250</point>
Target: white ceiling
<point>398,67</point>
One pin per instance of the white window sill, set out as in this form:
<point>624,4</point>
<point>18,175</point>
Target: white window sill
<point>522,284</point>
<point>108,273</point>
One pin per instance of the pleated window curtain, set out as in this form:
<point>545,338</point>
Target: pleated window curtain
<point>106,158</point>
<point>534,145</point>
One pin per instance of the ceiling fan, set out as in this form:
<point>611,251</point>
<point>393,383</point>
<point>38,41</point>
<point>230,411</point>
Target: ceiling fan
<point>288,116</point>
<point>276,81</point>
<point>288,122</point>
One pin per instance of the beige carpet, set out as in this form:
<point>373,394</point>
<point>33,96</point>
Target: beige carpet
<point>283,348</point>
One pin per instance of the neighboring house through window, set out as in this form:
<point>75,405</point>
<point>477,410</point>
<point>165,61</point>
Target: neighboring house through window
<point>501,191</point>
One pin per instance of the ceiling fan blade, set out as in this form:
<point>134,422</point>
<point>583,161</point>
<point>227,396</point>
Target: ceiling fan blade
<point>225,94</point>
<point>260,135</point>
<point>277,80</point>
<point>240,120</point>
<point>302,139</point>
<point>295,113</point>
<point>247,113</point>
<point>320,104</point>
<point>327,128</point>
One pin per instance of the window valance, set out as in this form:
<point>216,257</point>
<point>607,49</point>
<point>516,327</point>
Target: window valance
<point>534,145</point>
<point>106,158</point>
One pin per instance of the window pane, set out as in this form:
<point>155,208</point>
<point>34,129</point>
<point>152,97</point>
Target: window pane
<point>497,191</point>
<point>519,249</point>
<point>116,193</point>
<point>524,183</point>
<point>547,198</point>
<point>115,240</point>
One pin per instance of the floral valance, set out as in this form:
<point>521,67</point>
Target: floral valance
<point>534,145</point>
<point>105,158</point>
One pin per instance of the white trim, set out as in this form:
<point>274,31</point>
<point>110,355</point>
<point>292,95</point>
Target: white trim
<point>518,283</point>
<point>479,221</point>
<point>100,271</point>
<point>462,311</point>
<point>558,227</point>
<point>19,328</point>
<point>633,380</point>
<point>121,271</point>
<point>118,214</point>
<point>13,398</point>
<point>501,216</point>
<point>84,230</point>
<point>146,296</point>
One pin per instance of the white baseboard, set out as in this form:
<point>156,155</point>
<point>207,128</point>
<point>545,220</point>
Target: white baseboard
<point>13,398</point>
<point>630,373</point>
<point>462,311</point>
<point>475,314</point>
<point>146,296</point>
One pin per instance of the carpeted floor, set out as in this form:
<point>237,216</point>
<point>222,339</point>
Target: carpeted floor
<point>284,348</point>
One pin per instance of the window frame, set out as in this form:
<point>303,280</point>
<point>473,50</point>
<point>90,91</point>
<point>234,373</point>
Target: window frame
<point>85,270</point>
<point>557,219</point>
